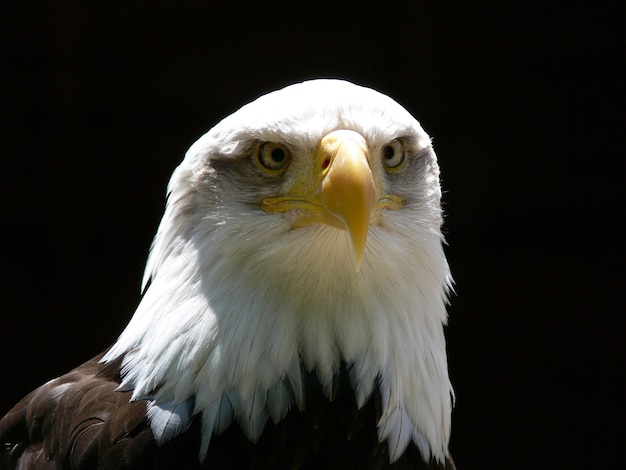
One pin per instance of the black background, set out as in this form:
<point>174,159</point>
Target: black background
<point>100,100</point>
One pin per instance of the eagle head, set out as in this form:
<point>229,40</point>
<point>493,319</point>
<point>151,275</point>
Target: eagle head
<point>302,232</point>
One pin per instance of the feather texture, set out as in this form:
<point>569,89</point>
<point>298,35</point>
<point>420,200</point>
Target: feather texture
<point>105,430</point>
<point>169,419</point>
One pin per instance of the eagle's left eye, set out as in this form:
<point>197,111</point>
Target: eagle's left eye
<point>273,156</point>
<point>393,154</point>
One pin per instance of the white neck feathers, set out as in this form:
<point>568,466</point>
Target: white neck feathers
<point>224,317</point>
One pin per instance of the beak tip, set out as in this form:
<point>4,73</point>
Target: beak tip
<point>358,247</point>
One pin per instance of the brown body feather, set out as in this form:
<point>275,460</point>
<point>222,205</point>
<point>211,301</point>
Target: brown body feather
<point>79,420</point>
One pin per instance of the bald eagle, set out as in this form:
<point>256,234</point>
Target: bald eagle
<point>293,306</point>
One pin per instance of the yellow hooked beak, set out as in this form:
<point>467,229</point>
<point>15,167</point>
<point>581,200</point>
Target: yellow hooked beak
<point>339,191</point>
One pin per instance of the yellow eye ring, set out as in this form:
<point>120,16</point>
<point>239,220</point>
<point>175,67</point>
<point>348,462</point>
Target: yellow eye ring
<point>393,155</point>
<point>273,157</point>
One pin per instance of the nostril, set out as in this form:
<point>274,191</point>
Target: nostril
<point>325,163</point>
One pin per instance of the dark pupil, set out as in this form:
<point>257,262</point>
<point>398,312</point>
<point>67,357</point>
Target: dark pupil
<point>388,152</point>
<point>278,155</point>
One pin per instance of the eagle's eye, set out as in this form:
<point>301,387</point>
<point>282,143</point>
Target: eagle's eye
<point>273,157</point>
<point>393,154</point>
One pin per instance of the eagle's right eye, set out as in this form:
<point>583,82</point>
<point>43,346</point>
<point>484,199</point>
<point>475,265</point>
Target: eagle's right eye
<point>273,157</point>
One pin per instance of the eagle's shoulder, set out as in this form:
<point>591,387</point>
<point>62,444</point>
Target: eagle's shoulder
<point>75,420</point>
